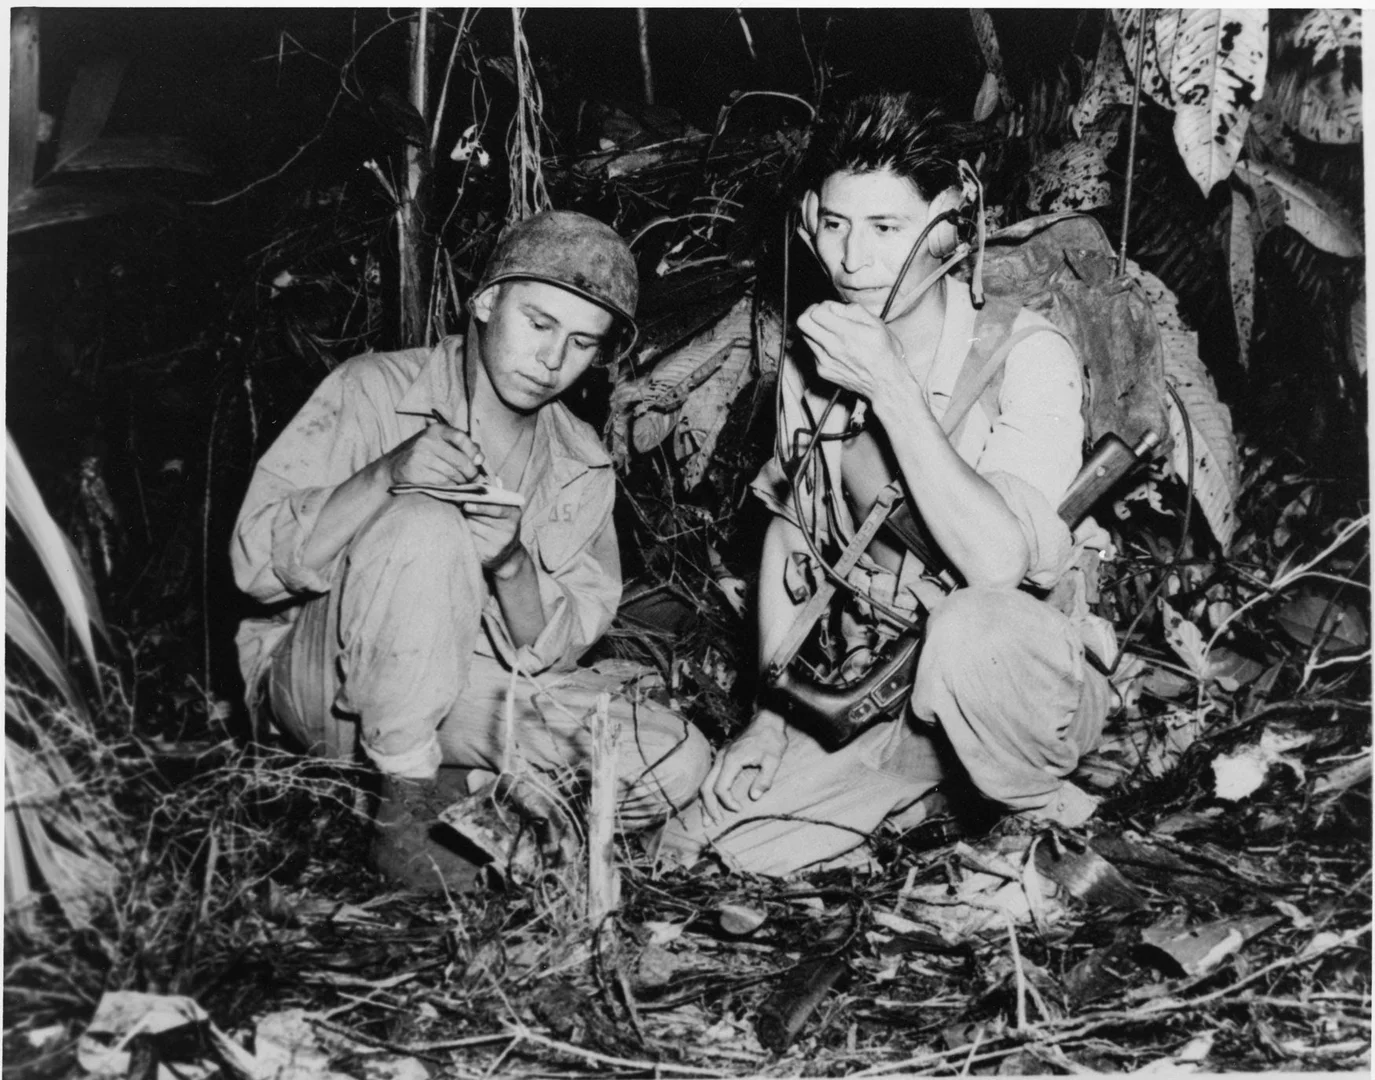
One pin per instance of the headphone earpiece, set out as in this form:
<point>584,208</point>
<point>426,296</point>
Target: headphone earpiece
<point>945,237</point>
<point>810,220</point>
<point>967,203</point>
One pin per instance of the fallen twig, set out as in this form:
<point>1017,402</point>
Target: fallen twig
<point>520,1032</point>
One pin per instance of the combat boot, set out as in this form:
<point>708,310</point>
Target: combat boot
<point>411,847</point>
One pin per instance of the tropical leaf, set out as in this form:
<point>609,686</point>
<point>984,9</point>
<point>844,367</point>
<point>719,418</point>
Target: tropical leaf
<point>18,885</point>
<point>682,392</point>
<point>1241,256</point>
<point>1109,85</point>
<point>1309,211</point>
<point>1267,136</point>
<point>69,579</point>
<point>1186,640</point>
<point>705,414</point>
<point>1313,618</point>
<point>1319,89</point>
<point>1074,177</point>
<point>62,839</point>
<point>88,106</point>
<point>1270,213</point>
<point>993,57</point>
<point>1217,73</point>
<point>1161,24</point>
<point>118,152</point>
<point>1216,481</point>
<point>28,635</point>
<point>986,100</point>
<point>39,208</point>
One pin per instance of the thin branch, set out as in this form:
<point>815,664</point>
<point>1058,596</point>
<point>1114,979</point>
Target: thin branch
<point>655,1068</point>
<point>329,115</point>
<point>448,74</point>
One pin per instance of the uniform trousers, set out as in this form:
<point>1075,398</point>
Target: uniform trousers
<point>1002,692</point>
<point>392,658</point>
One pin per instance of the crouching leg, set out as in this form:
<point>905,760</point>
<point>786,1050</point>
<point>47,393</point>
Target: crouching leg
<point>1004,676</point>
<point>379,661</point>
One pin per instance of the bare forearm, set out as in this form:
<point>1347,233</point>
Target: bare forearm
<point>516,584</point>
<point>966,515</point>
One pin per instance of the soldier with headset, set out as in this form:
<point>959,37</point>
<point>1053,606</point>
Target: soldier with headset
<point>1003,698</point>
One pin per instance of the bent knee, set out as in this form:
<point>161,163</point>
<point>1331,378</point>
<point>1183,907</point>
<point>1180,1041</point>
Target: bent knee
<point>977,620</point>
<point>412,523</point>
<point>674,763</point>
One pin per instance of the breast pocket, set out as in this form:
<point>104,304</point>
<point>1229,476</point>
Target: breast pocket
<point>566,523</point>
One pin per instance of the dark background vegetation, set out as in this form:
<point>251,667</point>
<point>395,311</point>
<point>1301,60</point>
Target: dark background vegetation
<point>153,354</point>
<point>153,348</point>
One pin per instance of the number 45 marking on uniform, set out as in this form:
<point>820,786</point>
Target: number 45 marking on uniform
<point>561,512</point>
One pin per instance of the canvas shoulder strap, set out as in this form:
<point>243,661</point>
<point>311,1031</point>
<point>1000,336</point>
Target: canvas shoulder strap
<point>981,376</point>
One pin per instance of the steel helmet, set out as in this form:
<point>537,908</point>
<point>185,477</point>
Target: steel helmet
<point>575,252</point>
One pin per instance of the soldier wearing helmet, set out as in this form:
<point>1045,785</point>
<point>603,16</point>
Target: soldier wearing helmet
<point>433,527</point>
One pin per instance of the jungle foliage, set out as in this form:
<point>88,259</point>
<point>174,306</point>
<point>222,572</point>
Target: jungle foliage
<point>180,279</point>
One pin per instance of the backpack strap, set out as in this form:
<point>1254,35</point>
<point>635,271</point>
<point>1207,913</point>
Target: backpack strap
<point>974,378</point>
<point>980,379</point>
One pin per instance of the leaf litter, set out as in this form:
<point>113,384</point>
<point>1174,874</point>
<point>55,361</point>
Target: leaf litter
<point>1191,925</point>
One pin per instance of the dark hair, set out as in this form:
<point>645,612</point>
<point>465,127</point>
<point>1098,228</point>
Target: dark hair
<point>885,131</point>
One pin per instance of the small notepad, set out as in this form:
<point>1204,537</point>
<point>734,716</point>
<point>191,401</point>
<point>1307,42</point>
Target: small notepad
<point>464,493</point>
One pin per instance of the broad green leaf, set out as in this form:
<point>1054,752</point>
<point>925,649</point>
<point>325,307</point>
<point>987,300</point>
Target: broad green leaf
<point>993,57</point>
<point>54,550</point>
<point>113,152</point>
<point>1217,73</point>
<point>1312,618</point>
<point>1241,254</point>
<point>88,106</point>
<point>1267,136</point>
<point>28,635</point>
<point>1161,26</point>
<point>1186,640</point>
<point>1319,86</point>
<point>1309,211</point>
<point>1109,85</point>
<point>987,98</point>
<point>689,392</point>
<point>1074,177</point>
<point>1216,479</point>
<point>738,920</point>
<point>1270,212</point>
<point>39,208</point>
<point>63,836</point>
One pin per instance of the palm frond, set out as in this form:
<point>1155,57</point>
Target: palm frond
<point>69,578</point>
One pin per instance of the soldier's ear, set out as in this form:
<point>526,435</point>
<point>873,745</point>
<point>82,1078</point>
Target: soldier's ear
<point>481,305</point>
<point>809,220</point>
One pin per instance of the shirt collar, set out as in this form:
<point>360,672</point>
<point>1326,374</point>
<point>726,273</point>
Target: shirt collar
<point>438,388</point>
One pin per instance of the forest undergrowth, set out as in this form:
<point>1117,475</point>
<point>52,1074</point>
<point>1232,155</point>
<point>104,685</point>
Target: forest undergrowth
<point>207,909</point>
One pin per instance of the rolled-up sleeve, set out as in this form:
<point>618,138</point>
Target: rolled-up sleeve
<point>320,449</point>
<point>1035,448</point>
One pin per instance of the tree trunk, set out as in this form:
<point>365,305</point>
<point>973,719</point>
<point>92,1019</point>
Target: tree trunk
<point>411,240</point>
